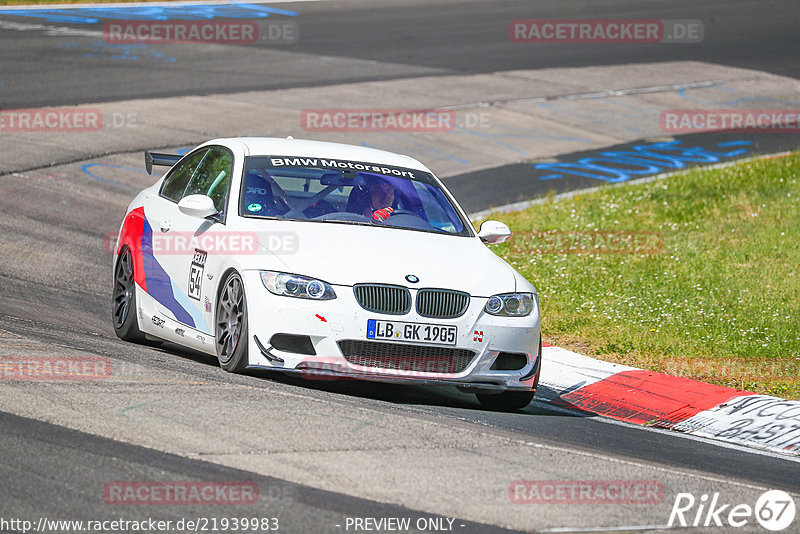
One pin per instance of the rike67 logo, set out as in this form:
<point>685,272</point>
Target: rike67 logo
<point>774,510</point>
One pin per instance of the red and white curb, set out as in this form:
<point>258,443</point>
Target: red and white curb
<point>578,382</point>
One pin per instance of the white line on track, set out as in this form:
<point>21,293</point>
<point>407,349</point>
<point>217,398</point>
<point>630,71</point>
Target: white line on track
<point>53,31</point>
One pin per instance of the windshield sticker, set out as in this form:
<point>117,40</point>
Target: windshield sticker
<point>254,207</point>
<point>340,164</point>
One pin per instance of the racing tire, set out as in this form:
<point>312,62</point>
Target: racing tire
<point>123,300</point>
<point>231,325</point>
<point>508,401</point>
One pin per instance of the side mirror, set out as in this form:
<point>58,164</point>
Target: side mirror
<point>199,206</point>
<point>493,232</point>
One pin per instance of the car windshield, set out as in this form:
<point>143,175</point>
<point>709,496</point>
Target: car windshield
<point>342,191</point>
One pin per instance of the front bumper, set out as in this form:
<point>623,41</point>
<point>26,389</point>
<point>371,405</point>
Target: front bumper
<point>326,323</point>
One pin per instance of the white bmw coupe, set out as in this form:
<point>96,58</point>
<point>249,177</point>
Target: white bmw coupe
<point>325,259</point>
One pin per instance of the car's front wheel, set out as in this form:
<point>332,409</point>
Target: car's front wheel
<point>231,329</point>
<point>123,301</point>
<point>508,401</point>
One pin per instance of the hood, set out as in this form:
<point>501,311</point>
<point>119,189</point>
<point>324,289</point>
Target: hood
<point>344,254</point>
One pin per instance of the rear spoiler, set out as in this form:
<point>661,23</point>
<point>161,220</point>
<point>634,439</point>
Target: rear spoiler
<point>154,158</point>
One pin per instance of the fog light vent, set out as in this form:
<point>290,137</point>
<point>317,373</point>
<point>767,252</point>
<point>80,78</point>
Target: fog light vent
<point>293,343</point>
<point>509,361</point>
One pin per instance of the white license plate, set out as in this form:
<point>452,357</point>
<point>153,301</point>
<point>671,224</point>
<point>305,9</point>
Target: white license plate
<point>414,332</point>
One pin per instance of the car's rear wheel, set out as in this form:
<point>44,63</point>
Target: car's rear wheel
<point>508,401</point>
<point>231,329</point>
<point>123,301</point>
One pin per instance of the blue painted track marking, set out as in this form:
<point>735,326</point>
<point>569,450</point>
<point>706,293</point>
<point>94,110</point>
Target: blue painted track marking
<point>93,15</point>
<point>85,168</point>
<point>641,160</point>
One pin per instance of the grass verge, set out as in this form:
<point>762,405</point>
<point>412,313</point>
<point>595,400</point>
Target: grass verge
<point>718,302</point>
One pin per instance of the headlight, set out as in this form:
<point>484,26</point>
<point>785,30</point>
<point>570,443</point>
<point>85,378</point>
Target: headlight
<point>510,304</point>
<point>294,285</point>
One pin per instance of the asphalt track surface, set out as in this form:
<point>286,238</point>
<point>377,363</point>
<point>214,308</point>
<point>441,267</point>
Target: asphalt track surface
<point>63,442</point>
<point>412,37</point>
<point>299,508</point>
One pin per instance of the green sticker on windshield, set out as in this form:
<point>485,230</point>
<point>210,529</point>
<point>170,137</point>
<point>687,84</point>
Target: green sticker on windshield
<point>254,207</point>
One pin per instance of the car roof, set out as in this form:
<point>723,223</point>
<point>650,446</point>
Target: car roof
<point>274,146</point>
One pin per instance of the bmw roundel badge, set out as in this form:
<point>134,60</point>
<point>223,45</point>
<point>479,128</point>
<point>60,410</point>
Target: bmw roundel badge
<point>411,278</point>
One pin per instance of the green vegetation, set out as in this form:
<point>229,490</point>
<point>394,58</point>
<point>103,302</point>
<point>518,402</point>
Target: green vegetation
<point>720,302</point>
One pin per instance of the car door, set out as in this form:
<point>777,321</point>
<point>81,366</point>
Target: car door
<point>158,247</point>
<point>200,241</point>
